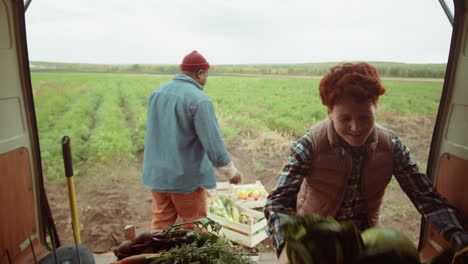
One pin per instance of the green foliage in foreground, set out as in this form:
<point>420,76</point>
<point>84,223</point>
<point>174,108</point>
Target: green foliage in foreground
<point>105,114</point>
<point>311,239</point>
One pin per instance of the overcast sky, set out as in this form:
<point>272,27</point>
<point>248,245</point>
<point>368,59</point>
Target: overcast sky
<point>237,31</point>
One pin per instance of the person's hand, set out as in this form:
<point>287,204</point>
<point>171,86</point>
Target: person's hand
<point>283,258</point>
<point>237,178</point>
<point>230,172</point>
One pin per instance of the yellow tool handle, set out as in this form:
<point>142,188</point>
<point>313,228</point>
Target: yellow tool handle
<point>67,161</point>
<point>73,208</point>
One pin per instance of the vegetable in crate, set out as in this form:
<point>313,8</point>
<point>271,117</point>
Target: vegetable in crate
<point>217,207</point>
<point>311,239</point>
<point>225,207</point>
<point>251,194</point>
<point>231,207</point>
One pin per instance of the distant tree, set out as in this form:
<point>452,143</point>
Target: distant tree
<point>135,68</point>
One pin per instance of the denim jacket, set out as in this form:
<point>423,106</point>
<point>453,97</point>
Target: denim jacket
<point>183,142</point>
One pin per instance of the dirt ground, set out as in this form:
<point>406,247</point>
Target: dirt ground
<point>107,208</point>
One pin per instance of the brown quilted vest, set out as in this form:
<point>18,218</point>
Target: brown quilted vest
<point>323,188</point>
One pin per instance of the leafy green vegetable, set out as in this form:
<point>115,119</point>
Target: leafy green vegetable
<point>206,248</point>
<point>210,253</point>
<point>379,238</point>
<point>311,239</point>
<point>170,237</point>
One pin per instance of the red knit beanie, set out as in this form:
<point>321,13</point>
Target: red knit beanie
<point>194,62</point>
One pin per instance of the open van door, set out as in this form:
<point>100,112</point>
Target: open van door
<point>27,229</point>
<point>25,219</point>
<point>448,158</point>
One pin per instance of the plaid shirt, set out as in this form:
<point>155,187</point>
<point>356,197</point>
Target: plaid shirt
<point>281,201</point>
<point>353,207</point>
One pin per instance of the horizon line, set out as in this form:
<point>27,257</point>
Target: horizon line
<point>226,64</point>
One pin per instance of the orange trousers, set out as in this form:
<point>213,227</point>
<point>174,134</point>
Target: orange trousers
<point>167,206</point>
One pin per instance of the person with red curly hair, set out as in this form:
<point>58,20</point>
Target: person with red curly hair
<point>341,166</point>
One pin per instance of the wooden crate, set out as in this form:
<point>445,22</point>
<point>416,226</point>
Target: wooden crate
<point>223,187</point>
<point>246,234</point>
<point>252,204</point>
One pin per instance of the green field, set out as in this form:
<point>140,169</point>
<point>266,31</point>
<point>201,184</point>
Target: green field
<point>105,114</point>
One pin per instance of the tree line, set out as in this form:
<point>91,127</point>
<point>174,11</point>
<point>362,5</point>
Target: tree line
<point>386,69</point>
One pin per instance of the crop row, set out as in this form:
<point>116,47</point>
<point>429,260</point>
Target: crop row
<point>77,123</point>
<point>105,119</point>
<point>135,105</point>
<point>110,140</point>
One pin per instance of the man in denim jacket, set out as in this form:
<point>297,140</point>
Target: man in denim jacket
<point>183,146</point>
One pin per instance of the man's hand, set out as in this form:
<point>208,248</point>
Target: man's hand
<point>230,171</point>
<point>237,178</point>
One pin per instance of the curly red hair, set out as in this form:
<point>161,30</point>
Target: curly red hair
<point>361,81</point>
